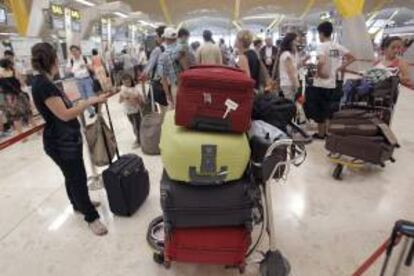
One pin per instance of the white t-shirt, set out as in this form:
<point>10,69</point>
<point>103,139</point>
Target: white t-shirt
<point>79,67</point>
<point>283,70</point>
<point>131,106</point>
<point>332,52</point>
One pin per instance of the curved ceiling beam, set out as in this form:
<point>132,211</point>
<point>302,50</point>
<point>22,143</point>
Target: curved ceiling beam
<point>308,7</point>
<point>165,12</point>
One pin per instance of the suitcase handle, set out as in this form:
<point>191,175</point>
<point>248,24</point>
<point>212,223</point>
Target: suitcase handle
<point>213,124</point>
<point>201,179</point>
<point>216,66</point>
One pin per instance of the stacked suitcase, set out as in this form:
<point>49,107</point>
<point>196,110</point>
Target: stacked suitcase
<point>207,200</point>
<point>361,129</point>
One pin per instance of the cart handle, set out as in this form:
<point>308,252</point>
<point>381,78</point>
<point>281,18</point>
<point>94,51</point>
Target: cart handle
<point>300,155</point>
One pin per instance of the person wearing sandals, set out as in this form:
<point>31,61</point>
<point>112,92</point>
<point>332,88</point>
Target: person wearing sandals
<point>62,139</point>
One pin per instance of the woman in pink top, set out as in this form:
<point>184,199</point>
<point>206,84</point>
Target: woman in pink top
<point>391,47</point>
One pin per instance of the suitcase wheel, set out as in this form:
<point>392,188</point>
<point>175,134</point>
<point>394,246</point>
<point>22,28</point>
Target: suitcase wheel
<point>158,258</point>
<point>337,173</point>
<point>242,268</point>
<point>167,264</point>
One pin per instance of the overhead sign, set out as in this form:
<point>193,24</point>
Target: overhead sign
<point>57,15</point>
<point>75,15</point>
<point>57,10</point>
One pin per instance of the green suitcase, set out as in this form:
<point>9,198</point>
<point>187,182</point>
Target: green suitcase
<point>202,158</point>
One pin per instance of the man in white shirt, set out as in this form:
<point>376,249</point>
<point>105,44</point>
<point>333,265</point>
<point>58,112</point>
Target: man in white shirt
<point>80,68</point>
<point>332,60</point>
<point>209,52</point>
<point>268,54</point>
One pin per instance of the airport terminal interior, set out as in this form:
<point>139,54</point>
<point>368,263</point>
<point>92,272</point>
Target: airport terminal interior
<point>220,137</point>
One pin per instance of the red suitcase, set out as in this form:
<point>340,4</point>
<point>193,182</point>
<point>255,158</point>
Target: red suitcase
<point>218,245</point>
<point>216,98</point>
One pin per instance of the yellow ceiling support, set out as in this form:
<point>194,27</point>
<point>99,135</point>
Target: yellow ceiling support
<point>166,12</point>
<point>308,7</point>
<point>21,15</point>
<point>236,11</point>
<point>349,8</point>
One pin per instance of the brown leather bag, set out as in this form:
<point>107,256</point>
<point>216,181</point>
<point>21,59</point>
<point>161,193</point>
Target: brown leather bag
<point>101,154</point>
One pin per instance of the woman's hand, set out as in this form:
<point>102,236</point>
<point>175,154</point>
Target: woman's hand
<point>97,99</point>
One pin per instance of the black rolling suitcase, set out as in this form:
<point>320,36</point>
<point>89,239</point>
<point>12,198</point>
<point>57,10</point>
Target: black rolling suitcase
<point>187,205</point>
<point>126,182</point>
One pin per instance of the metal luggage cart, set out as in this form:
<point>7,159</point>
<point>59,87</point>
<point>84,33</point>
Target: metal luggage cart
<point>273,263</point>
<point>382,104</point>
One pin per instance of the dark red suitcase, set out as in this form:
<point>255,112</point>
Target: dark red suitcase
<point>214,98</point>
<point>218,245</point>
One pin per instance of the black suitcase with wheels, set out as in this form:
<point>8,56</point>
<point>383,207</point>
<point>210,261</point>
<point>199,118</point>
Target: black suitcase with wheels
<point>126,181</point>
<point>186,205</point>
<point>127,184</point>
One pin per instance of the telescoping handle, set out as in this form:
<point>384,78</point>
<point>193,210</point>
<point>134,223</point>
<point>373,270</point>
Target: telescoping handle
<point>113,131</point>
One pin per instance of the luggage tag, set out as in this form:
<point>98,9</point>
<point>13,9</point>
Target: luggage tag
<point>231,106</point>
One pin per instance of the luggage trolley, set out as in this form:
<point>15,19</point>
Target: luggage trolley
<point>381,102</point>
<point>273,262</point>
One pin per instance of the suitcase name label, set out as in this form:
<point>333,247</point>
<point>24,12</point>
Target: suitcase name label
<point>231,106</point>
<point>207,98</point>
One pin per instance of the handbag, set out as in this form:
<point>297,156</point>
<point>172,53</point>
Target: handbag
<point>101,154</point>
<point>150,131</point>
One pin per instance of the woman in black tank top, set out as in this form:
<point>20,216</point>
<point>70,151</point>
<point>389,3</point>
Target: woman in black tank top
<point>248,59</point>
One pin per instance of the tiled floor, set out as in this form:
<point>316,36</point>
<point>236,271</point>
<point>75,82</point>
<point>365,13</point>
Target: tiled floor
<point>325,227</point>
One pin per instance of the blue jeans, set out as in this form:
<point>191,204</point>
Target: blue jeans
<point>85,87</point>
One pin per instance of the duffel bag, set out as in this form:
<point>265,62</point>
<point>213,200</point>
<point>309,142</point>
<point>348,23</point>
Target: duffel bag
<point>274,110</point>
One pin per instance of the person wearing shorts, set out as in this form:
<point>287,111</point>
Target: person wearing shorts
<point>333,58</point>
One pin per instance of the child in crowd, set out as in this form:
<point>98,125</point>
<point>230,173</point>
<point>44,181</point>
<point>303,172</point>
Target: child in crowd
<point>133,99</point>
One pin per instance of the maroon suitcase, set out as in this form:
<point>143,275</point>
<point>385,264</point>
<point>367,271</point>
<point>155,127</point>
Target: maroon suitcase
<point>214,98</point>
<point>218,245</point>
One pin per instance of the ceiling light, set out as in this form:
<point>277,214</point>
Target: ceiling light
<point>121,14</point>
<point>86,3</point>
<point>9,34</point>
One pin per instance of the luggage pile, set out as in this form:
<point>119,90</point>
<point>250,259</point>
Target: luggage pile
<point>361,129</point>
<point>206,198</point>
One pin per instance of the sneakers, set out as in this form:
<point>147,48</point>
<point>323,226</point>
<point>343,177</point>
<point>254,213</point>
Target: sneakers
<point>98,228</point>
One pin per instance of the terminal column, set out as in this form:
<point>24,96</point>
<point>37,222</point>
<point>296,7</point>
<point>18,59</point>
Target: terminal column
<point>355,34</point>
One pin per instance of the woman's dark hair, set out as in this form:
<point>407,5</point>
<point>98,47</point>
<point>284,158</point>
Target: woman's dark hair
<point>74,47</point>
<point>127,76</point>
<point>287,42</point>
<point>257,42</point>
<point>386,42</point>
<point>43,57</point>
<point>325,28</point>
<point>183,32</point>
<point>6,64</point>
<point>208,36</point>
<point>160,30</point>
<point>94,52</point>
